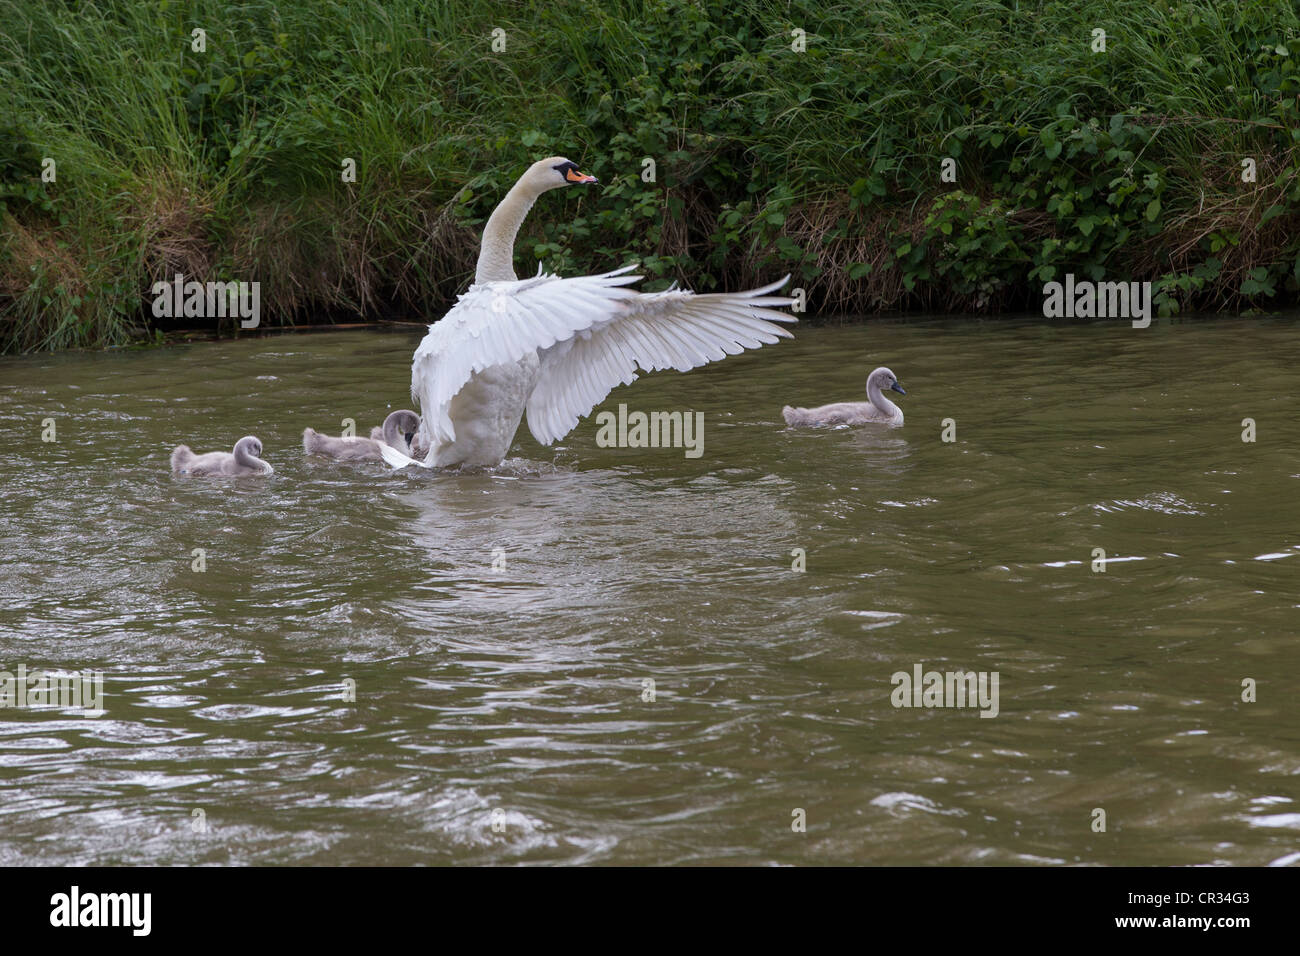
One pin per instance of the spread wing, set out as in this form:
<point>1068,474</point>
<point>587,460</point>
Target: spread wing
<point>590,333</point>
<point>495,323</point>
<point>647,331</point>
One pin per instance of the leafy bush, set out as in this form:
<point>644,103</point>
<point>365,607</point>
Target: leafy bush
<point>826,162</point>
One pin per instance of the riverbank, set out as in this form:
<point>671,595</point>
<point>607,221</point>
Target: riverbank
<point>942,156</point>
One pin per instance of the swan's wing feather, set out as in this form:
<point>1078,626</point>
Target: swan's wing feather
<point>398,460</point>
<point>647,332</point>
<point>497,323</point>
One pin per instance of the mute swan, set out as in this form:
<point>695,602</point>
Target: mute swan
<point>556,347</point>
<point>244,461</point>
<point>879,409</point>
<point>397,429</point>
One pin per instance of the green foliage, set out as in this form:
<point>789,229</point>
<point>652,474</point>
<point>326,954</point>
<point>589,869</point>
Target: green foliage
<point>225,164</point>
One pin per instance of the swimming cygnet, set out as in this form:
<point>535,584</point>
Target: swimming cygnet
<point>879,409</point>
<point>404,428</point>
<point>399,427</point>
<point>413,447</point>
<point>244,461</point>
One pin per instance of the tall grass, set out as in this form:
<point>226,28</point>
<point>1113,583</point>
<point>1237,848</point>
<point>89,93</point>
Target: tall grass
<point>225,164</point>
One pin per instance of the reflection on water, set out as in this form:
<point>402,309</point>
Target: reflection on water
<point>604,655</point>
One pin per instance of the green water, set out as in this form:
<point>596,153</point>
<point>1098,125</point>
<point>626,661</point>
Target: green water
<point>500,713</point>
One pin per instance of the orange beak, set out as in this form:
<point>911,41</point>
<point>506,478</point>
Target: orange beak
<point>574,176</point>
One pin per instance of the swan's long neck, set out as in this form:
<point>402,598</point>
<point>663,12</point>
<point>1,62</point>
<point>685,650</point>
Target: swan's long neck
<point>497,252</point>
<point>878,399</point>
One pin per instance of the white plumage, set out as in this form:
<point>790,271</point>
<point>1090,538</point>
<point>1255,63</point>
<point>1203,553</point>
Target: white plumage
<point>555,347</point>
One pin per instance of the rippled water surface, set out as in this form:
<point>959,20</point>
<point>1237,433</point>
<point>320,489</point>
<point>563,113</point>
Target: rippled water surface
<point>500,714</point>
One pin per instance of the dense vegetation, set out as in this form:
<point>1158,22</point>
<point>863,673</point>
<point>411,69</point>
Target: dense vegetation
<point>226,164</point>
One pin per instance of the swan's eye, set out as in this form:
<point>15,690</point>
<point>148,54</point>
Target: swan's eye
<point>571,175</point>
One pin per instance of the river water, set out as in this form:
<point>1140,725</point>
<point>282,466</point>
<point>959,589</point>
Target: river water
<point>605,655</point>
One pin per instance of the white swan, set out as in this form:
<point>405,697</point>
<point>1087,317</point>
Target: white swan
<point>556,347</point>
<point>397,428</point>
<point>246,460</point>
<point>878,409</point>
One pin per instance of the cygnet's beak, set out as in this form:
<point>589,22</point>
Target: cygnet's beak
<point>897,388</point>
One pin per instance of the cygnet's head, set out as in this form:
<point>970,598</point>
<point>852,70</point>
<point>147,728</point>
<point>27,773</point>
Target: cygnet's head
<point>884,380</point>
<point>554,173</point>
<point>405,421</point>
<point>249,445</point>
